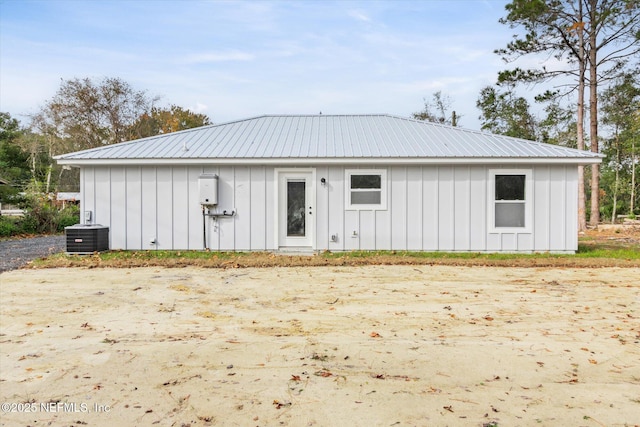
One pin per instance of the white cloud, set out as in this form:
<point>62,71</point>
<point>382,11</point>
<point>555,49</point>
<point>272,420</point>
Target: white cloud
<point>359,15</point>
<point>208,57</point>
<point>433,85</point>
<point>199,108</point>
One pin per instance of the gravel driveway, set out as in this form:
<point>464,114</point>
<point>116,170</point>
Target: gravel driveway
<point>16,253</point>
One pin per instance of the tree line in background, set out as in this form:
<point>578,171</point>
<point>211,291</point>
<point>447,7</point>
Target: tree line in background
<point>83,114</point>
<point>590,50</point>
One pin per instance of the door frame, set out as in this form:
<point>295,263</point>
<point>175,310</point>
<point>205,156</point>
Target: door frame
<point>279,175</point>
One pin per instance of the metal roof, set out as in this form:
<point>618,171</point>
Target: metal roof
<point>326,138</point>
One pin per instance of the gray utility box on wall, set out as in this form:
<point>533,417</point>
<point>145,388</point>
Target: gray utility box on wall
<point>86,239</point>
<point>208,189</point>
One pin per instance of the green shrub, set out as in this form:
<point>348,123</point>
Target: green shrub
<point>70,215</point>
<point>28,225</point>
<point>41,216</point>
<point>8,226</point>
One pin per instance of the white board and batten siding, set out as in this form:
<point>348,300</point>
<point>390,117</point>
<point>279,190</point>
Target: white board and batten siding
<point>429,208</point>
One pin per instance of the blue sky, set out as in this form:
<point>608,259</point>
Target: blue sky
<point>238,59</point>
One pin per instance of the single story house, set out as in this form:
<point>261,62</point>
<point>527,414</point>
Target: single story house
<point>333,182</point>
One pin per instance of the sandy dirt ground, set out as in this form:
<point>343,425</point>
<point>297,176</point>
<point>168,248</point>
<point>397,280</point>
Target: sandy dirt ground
<point>320,346</point>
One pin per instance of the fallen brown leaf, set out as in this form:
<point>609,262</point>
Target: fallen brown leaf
<point>279,404</point>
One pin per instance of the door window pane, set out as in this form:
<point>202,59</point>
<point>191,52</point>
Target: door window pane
<point>295,208</point>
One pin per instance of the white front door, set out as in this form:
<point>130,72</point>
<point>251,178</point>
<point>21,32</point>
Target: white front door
<point>296,203</point>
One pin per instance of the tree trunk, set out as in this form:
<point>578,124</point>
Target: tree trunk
<point>582,211</point>
<point>593,112</point>
<point>633,176</point>
<point>49,169</point>
<point>617,182</point>
<point>59,187</point>
<point>33,167</point>
<point>615,198</point>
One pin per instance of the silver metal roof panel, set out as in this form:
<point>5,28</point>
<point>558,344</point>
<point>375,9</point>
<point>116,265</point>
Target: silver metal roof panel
<point>346,137</point>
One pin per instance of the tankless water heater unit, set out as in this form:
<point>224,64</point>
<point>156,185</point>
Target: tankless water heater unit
<point>208,189</point>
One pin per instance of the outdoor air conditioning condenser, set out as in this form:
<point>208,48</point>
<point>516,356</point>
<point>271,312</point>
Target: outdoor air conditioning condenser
<point>87,239</point>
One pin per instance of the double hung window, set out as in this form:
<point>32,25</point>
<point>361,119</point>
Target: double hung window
<point>510,199</point>
<point>366,189</point>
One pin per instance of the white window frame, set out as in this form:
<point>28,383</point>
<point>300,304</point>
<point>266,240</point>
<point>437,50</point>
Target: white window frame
<point>528,200</point>
<point>382,206</point>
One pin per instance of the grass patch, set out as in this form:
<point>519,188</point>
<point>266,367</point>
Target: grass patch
<point>119,258</point>
<point>585,250</point>
<point>600,251</point>
<point>165,255</point>
<point>590,253</point>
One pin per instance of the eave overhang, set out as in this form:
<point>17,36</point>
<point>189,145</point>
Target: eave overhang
<point>309,161</point>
